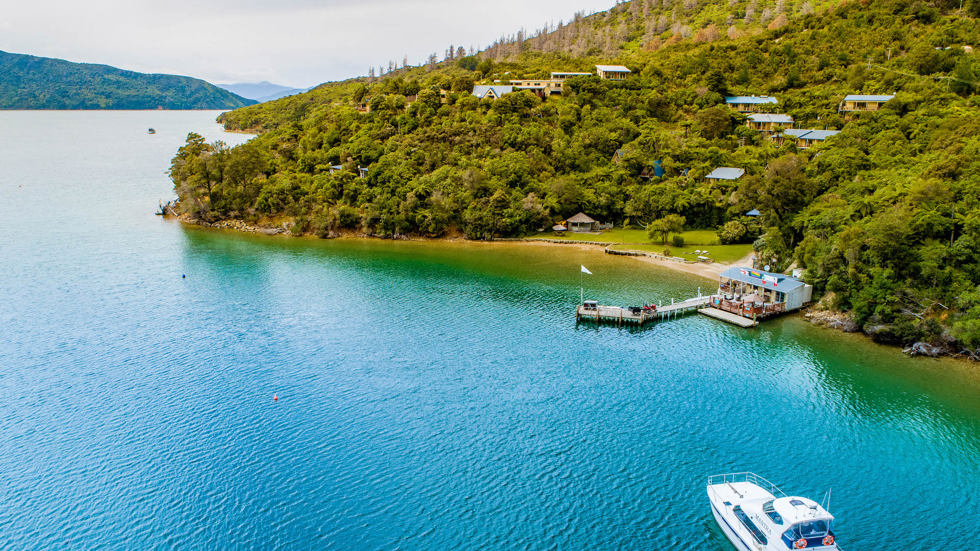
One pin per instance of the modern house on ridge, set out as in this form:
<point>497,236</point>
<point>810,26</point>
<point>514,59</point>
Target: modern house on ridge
<point>612,72</point>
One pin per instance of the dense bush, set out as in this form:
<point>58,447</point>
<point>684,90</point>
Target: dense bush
<point>885,215</point>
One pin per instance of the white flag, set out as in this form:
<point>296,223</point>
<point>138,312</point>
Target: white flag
<point>586,270</point>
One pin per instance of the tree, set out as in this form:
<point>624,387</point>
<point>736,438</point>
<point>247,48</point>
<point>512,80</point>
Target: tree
<point>663,227</point>
<point>714,122</point>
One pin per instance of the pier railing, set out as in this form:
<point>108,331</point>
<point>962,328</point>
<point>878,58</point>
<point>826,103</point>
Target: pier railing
<point>638,315</point>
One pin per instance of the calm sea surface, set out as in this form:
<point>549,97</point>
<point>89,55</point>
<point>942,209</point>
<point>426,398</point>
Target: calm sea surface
<point>431,396</point>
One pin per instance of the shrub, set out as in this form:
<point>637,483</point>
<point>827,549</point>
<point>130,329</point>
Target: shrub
<point>678,241</point>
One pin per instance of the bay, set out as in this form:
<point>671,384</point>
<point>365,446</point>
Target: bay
<point>430,395</point>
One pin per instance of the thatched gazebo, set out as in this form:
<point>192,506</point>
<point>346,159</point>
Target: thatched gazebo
<point>582,223</point>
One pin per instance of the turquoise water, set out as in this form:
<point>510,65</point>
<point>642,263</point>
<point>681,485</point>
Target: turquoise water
<point>430,396</point>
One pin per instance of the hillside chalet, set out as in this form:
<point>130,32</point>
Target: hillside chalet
<point>856,102</point>
<point>491,92</point>
<point>725,173</point>
<point>541,87</point>
<point>805,139</point>
<point>769,123</point>
<point>751,104</point>
<point>612,72</point>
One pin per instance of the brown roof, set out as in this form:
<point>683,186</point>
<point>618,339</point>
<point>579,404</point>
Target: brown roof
<point>581,218</point>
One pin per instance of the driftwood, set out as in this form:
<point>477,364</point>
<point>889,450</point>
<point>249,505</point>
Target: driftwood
<point>166,209</point>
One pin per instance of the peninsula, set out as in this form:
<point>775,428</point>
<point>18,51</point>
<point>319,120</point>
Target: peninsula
<point>836,138</point>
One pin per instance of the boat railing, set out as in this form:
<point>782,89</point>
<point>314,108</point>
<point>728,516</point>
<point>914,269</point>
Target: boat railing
<point>751,478</point>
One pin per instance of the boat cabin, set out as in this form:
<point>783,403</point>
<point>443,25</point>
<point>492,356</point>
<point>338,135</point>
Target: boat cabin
<point>805,521</point>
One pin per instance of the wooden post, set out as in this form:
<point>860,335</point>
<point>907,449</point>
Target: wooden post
<point>620,317</point>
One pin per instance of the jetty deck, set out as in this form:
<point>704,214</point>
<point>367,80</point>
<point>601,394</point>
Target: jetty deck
<point>734,319</point>
<point>620,315</point>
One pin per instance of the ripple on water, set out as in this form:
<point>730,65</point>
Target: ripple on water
<point>430,396</point>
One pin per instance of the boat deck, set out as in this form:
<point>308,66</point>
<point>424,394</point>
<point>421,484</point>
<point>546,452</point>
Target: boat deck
<point>740,492</point>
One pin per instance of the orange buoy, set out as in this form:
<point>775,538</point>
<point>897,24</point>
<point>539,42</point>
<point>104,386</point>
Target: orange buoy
<point>275,397</point>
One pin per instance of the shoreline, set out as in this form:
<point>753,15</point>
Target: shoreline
<point>813,314</point>
<point>705,270</point>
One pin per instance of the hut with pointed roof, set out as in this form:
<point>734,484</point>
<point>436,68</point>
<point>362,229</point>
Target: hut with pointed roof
<point>581,223</point>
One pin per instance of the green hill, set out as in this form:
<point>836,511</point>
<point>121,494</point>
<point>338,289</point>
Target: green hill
<point>29,82</point>
<point>884,217</point>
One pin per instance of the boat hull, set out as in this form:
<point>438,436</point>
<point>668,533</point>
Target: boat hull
<point>729,531</point>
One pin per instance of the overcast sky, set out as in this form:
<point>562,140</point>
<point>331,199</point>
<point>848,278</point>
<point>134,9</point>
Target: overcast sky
<point>292,42</point>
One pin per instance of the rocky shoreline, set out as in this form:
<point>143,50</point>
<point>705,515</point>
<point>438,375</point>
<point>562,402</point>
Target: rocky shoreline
<point>843,321</point>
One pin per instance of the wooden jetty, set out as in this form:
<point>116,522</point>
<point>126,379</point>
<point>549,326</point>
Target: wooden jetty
<point>637,316</point>
<point>729,317</point>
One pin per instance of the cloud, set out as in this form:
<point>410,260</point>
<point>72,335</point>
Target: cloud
<point>293,42</point>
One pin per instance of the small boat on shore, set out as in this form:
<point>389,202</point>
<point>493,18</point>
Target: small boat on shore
<point>755,515</point>
<point>151,131</point>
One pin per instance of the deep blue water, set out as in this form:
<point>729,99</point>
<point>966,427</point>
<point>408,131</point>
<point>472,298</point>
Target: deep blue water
<point>430,396</point>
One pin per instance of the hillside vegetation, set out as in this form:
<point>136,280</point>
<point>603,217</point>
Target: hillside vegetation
<point>884,217</point>
<point>30,82</point>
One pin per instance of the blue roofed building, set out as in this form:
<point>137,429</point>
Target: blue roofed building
<point>805,138</point>
<point>769,123</point>
<point>751,104</point>
<point>857,102</point>
<point>756,293</point>
<point>725,173</point>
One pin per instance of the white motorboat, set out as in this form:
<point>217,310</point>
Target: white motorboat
<point>755,515</point>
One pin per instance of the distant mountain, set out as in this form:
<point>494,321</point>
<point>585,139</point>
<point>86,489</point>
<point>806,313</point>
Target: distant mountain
<point>30,82</point>
<point>261,91</point>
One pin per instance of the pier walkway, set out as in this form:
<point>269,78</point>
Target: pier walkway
<point>636,316</point>
<point>734,319</point>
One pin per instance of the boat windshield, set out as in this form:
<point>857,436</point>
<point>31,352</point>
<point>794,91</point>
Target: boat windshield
<point>811,529</point>
<point>770,511</point>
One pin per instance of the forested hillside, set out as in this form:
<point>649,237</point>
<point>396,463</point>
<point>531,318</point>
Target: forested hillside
<point>30,82</point>
<point>884,217</point>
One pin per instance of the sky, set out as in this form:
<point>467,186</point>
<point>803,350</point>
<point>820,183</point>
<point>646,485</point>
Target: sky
<point>296,43</point>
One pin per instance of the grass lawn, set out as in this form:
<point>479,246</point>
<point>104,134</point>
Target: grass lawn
<point>636,236</point>
<point>718,253</point>
<point>637,239</point>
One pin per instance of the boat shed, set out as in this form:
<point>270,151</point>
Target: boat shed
<point>772,288</point>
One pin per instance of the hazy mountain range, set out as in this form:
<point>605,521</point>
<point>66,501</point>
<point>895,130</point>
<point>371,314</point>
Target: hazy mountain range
<point>31,82</point>
<point>261,91</point>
